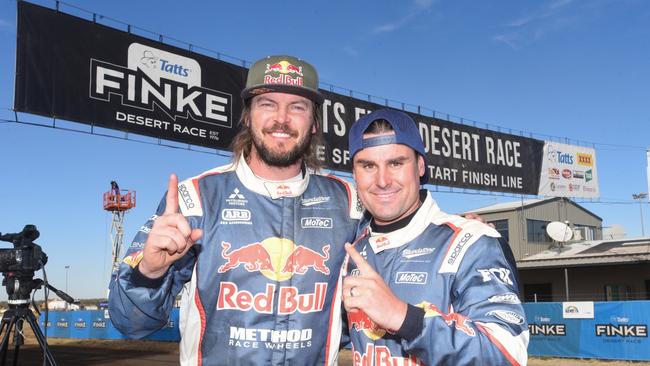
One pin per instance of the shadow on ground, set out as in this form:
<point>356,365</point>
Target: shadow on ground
<point>96,354</point>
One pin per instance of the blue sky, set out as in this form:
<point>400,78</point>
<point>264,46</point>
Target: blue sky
<point>572,71</point>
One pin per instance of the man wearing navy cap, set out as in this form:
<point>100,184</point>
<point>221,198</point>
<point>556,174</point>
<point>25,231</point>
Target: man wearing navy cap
<point>423,286</point>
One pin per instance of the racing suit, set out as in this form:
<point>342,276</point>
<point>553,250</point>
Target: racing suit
<point>461,290</point>
<point>261,287</point>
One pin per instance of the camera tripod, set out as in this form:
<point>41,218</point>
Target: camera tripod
<point>19,288</point>
<point>13,319</point>
<point>18,266</point>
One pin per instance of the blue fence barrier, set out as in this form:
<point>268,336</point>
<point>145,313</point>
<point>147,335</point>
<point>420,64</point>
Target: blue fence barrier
<point>96,324</point>
<point>616,330</point>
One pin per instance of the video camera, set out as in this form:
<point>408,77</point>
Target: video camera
<point>26,257</point>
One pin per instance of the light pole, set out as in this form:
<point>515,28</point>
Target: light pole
<point>66,283</point>
<point>640,197</point>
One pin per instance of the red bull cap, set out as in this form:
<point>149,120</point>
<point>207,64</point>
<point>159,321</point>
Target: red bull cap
<point>285,74</point>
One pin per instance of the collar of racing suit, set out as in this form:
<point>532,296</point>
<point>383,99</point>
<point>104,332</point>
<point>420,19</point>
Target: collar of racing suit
<point>293,187</point>
<point>427,212</point>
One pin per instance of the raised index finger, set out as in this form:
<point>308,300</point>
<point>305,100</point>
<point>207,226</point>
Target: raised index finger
<point>171,202</point>
<point>361,263</point>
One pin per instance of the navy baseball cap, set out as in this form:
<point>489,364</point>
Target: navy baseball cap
<point>406,133</point>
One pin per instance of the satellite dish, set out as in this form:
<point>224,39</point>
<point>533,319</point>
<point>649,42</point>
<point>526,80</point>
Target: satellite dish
<point>559,231</point>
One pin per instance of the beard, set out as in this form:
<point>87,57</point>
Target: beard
<point>281,159</point>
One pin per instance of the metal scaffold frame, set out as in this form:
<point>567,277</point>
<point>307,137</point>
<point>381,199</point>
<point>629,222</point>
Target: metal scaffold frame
<point>118,202</point>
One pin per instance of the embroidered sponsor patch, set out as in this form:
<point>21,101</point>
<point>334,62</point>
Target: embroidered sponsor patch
<point>507,298</point>
<point>500,274</point>
<point>413,278</point>
<point>412,253</point>
<point>235,215</point>
<point>507,316</point>
<point>316,223</point>
<point>314,200</point>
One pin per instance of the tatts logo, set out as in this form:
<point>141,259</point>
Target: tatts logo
<point>159,80</point>
<point>585,159</point>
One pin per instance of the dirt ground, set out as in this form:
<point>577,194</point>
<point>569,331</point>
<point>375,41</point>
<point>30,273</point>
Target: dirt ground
<point>147,353</point>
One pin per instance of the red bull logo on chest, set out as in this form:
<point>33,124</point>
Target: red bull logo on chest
<point>303,258</point>
<point>252,256</point>
<point>278,259</point>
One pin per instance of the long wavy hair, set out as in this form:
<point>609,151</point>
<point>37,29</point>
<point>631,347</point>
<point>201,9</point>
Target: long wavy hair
<point>243,141</point>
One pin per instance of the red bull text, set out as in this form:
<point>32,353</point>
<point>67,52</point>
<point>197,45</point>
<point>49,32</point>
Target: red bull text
<point>288,298</point>
<point>380,356</point>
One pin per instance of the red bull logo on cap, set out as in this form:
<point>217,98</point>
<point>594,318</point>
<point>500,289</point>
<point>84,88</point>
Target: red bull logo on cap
<point>361,322</point>
<point>283,70</point>
<point>284,67</point>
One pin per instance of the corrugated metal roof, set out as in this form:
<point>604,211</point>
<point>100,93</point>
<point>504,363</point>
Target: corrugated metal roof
<point>509,206</point>
<point>593,252</point>
<point>506,206</point>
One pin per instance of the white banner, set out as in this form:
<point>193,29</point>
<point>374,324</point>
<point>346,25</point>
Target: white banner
<point>578,310</point>
<point>568,171</point>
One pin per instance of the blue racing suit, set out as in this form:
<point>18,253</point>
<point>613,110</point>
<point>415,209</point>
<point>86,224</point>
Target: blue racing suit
<point>262,286</point>
<point>462,293</point>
